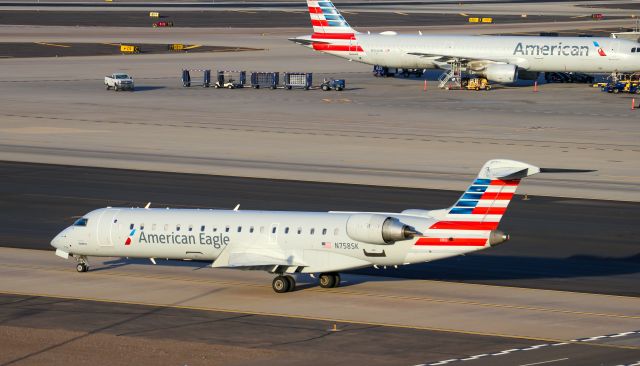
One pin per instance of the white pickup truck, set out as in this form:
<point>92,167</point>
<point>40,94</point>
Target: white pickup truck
<point>119,81</point>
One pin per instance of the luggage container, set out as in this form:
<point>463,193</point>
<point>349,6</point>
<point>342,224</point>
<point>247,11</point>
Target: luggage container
<point>298,80</point>
<point>231,79</point>
<point>265,80</point>
<point>186,78</point>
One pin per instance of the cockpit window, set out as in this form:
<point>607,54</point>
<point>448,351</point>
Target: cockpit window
<point>81,222</point>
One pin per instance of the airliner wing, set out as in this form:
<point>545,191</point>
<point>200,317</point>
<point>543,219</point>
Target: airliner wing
<point>443,59</point>
<point>239,256</point>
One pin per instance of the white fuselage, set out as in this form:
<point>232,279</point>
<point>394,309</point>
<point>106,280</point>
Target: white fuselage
<point>318,240</point>
<point>530,53</point>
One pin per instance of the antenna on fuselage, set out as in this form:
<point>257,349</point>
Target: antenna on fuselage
<point>237,207</point>
<point>148,205</point>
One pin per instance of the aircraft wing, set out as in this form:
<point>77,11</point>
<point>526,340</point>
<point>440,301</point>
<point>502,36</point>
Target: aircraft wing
<point>241,256</point>
<point>478,61</point>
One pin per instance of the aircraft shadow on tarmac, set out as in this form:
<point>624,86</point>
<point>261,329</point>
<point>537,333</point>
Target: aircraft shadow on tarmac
<point>523,271</point>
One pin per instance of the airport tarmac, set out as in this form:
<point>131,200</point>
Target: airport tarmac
<point>557,243</point>
<point>545,317</point>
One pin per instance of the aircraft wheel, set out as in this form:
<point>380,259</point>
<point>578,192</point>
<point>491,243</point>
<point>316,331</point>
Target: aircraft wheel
<point>292,283</point>
<point>336,280</point>
<point>327,280</point>
<point>280,284</point>
<point>82,267</point>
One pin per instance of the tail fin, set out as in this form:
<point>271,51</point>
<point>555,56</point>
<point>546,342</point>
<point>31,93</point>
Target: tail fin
<point>482,205</point>
<point>325,18</point>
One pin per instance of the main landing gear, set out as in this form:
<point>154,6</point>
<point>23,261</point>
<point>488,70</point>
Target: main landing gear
<point>329,280</point>
<point>83,264</point>
<point>283,284</point>
<point>286,283</point>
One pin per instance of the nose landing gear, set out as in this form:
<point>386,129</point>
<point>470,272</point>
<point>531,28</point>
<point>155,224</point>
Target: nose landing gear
<point>83,264</point>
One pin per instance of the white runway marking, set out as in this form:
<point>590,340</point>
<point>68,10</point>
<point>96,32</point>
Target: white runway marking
<point>543,362</point>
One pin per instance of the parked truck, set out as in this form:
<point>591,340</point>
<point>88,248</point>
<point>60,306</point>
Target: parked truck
<point>119,81</point>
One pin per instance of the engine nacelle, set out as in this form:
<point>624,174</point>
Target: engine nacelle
<point>502,73</point>
<point>378,229</point>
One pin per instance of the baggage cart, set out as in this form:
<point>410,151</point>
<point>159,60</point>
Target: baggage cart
<point>186,78</point>
<point>265,80</point>
<point>298,80</point>
<point>231,79</point>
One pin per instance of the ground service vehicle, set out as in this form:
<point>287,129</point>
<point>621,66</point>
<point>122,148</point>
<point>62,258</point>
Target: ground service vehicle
<point>335,84</point>
<point>476,84</point>
<point>119,81</point>
<point>231,79</point>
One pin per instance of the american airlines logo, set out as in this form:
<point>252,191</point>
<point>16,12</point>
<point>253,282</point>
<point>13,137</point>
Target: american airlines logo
<point>558,49</point>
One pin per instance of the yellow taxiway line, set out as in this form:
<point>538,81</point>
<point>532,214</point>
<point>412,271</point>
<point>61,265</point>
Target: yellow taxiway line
<point>303,317</point>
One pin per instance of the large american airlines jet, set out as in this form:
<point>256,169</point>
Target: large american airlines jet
<point>498,58</point>
<point>286,243</point>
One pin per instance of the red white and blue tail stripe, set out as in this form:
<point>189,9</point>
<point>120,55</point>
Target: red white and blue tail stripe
<point>472,219</point>
<point>325,18</point>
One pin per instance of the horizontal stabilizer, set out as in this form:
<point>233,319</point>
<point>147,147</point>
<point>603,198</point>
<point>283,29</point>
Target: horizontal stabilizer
<point>560,170</point>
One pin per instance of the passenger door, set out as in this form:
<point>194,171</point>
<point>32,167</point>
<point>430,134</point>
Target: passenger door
<point>106,226</point>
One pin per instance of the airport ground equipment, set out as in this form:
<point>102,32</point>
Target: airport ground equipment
<point>230,79</point>
<point>119,81</point>
<point>186,77</point>
<point>333,84</point>
<point>162,24</point>
<point>476,84</point>
<point>154,14</point>
<point>628,86</point>
<point>125,48</point>
<point>265,80</point>
<point>302,80</point>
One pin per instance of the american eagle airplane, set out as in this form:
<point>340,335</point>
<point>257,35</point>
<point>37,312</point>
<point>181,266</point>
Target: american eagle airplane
<point>498,58</point>
<point>286,243</point>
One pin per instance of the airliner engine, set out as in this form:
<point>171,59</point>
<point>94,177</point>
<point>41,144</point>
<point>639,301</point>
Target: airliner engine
<point>378,229</point>
<point>502,73</point>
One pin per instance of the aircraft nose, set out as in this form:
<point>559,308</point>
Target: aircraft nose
<point>58,241</point>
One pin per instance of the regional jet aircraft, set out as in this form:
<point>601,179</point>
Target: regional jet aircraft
<point>287,243</point>
<point>498,58</point>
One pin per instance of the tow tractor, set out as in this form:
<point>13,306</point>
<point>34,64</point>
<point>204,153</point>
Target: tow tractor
<point>476,84</point>
<point>335,84</point>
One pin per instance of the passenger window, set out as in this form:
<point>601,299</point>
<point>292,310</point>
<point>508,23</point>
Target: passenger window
<point>251,229</point>
<point>177,227</point>
<point>286,230</point>
<point>131,227</point>
<point>202,228</point>
<point>633,49</point>
<point>312,231</point>
<point>239,229</point>
<point>81,222</point>
<point>190,227</point>
<point>324,231</point>
<point>141,227</point>
<point>215,229</point>
<point>299,230</point>
<point>336,231</point>
<point>226,229</point>
<point>273,230</point>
